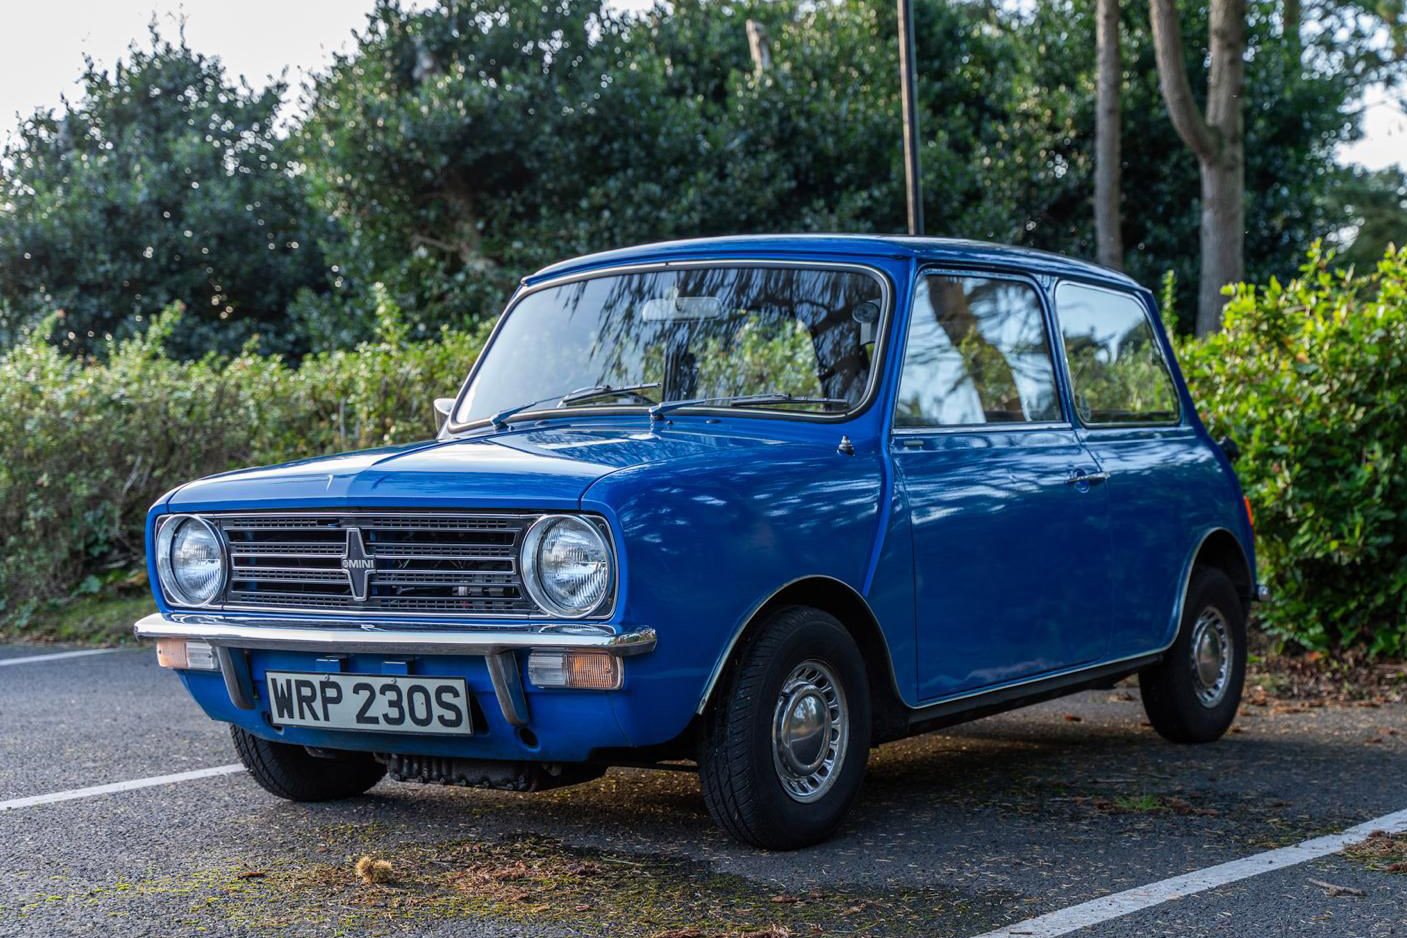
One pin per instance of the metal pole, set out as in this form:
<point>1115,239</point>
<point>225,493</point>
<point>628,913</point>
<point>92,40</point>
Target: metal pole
<point>907,81</point>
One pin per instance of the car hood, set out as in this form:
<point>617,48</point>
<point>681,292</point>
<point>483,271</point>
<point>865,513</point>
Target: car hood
<point>545,467</point>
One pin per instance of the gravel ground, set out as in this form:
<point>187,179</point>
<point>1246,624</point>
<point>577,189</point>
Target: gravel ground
<point>955,834</point>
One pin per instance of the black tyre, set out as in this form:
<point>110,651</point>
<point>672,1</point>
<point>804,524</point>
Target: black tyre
<point>1192,695</point>
<point>291,772</point>
<point>788,735</point>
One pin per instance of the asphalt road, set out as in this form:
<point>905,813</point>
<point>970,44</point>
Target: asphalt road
<point>956,834</point>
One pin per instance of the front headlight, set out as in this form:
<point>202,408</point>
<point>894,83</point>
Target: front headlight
<point>566,566</point>
<point>190,561</point>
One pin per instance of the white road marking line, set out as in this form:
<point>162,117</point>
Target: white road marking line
<point>1119,904</point>
<point>119,786</point>
<point>30,659</point>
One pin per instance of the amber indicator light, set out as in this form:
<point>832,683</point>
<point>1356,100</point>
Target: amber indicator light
<point>171,653</point>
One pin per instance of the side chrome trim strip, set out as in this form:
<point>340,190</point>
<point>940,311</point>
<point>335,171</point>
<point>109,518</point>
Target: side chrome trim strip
<point>1058,677</point>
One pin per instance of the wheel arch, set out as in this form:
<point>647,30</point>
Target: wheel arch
<point>845,603</point>
<point>1220,550</point>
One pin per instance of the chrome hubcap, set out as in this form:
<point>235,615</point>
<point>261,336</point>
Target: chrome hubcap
<point>1211,656</point>
<point>810,729</point>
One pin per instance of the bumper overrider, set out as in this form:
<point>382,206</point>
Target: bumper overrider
<point>496,645</point>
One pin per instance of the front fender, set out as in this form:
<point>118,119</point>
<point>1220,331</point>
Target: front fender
<point>706,541</point>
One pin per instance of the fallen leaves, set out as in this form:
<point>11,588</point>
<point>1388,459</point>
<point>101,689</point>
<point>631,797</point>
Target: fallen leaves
<point>1384,852</point>
<point>1346,677</point>
<point>373,872</point>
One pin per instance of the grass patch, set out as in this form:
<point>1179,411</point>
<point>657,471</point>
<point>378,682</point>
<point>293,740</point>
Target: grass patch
<point>1384,852</point>
<point>532,880</point>
<point>100,620</point>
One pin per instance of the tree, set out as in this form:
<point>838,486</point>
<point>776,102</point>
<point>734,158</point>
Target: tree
<point>1108,237</point>
<point>163,182</point>
<point>1216,138</point>
<point>463,145</point>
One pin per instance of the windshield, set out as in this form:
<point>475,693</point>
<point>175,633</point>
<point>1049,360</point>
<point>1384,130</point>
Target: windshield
<point>685,333</point>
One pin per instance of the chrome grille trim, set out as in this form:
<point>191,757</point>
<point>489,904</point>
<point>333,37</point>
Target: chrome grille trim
<point>427,564</point>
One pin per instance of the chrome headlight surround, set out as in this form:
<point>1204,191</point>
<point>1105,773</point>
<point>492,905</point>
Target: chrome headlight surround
<point>166,532</point>
<point>531,562</point>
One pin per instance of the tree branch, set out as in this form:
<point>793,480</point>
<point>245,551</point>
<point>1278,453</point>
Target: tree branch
<point>1172,78</point>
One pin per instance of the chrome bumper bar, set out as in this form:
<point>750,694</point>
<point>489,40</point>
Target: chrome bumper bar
<point>495,645</point>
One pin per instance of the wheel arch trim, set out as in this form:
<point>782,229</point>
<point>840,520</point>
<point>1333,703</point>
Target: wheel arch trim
<point>748,620</point>
<point>1191,564</point>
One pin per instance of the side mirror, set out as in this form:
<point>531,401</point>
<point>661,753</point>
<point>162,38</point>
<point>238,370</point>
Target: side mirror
<point>444,406</point>
<point>1229,447</point>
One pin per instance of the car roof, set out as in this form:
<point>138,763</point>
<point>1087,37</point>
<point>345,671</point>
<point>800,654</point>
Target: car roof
<point>954,251</point>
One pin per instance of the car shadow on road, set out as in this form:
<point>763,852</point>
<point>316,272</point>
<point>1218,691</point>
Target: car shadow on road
<point>1079,784</point>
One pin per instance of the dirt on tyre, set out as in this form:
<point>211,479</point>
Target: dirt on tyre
<point>788,736</point>
<point>1191,696</point>
<point>291,772</point>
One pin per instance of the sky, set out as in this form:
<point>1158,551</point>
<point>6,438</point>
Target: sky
<point>43,44</point>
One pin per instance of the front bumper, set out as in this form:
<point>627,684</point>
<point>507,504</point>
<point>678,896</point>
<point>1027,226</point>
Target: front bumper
<point>496,645</point>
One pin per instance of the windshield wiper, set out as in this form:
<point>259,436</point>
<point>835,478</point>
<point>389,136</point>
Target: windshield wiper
<point>580,395</point>
<point>741,400</point>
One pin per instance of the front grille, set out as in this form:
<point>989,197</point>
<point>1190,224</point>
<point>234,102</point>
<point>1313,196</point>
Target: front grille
<point>440,564</point>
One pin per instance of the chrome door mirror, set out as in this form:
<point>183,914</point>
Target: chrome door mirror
<point>444,406</point>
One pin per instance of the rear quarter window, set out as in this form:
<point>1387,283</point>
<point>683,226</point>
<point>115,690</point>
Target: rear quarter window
<point>1118,374</point>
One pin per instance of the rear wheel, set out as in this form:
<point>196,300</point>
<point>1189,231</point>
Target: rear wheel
<point>787,740</point>
<point>292,772</point>
<point>1191,696</point>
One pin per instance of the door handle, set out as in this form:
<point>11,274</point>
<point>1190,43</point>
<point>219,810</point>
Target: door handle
<point>1080,477</point>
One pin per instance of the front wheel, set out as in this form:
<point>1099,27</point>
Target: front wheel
<point>786,743</point>
<point>1191,696</point>
<point>293,773</point>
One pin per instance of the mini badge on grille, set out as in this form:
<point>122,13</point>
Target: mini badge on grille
<point>358,564</point>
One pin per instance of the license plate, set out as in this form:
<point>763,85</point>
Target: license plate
<point>375,702</point>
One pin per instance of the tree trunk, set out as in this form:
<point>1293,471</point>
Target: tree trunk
<point>758,47</point>
<point>1108,238</point>
<point>1218,140</point>
<point>1222,239</point>
<point>1290,24</point>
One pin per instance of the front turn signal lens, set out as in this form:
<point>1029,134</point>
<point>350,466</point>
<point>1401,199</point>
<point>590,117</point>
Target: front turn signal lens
<point>1250,515</point>
<point>185,655</point>
<point>171,653</point>
<point>580,670</point>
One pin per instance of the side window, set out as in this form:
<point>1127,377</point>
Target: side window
<point>1117,371</point>
<point>977,353</point>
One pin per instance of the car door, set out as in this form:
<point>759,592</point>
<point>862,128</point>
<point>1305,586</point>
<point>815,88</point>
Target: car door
<point>1128,414</point>
<point>1008,517</point>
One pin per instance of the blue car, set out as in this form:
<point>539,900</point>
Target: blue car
<point>752,505</point>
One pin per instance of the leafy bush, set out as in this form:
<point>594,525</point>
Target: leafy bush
<point>1310,379</point>
<point>87,446</point>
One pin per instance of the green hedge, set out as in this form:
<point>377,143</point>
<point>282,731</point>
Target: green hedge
<point>1310,379</point>
<point>87,446</point>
